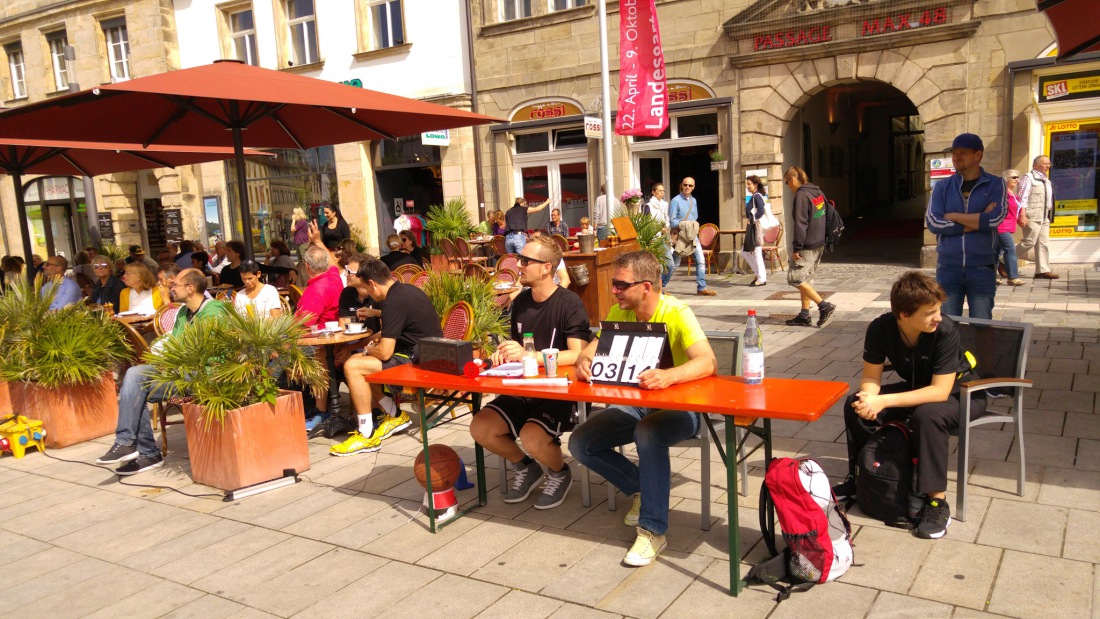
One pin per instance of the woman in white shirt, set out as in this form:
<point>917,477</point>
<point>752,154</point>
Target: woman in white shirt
<point>138,296</point>
<point>256,298</point>
<point>658,209</point>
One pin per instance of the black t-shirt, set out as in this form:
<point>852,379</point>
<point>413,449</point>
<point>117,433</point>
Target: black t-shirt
<point>563,311</point>
<point>407,317</point>
<point>515,220</point>
<point>231,276</point>
<point>967,187</point>
<point>395,259</point>
<point>350,301</point>
<point>940,352</point>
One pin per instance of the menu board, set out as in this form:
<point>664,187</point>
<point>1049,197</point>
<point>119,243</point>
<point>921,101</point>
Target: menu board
<point>173,225</point>
<point>106,227</point>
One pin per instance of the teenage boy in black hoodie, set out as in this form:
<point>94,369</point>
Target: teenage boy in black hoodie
<point>807,245</point>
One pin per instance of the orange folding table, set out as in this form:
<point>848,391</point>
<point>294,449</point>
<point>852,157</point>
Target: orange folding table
<point>752,408</point>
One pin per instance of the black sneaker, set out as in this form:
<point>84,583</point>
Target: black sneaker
<point>826,310</point>
<point>800,320</point>
<point>333,426</point>
<point>935,519</point>
<point>140,465</point>
<point>118,453</point>
<point>845,490</point>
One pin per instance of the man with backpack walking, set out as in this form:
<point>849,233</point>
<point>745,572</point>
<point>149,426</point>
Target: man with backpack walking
<point>924,348</point>
<point>807,246</point>
<point>964,213</point>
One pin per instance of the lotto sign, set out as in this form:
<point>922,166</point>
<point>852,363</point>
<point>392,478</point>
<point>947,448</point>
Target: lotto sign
<point>627,349</point>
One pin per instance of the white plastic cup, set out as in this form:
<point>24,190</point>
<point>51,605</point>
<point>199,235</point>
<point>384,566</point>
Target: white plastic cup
<point>332,325</point>
<point>550,361</point>
<point>355,327</point>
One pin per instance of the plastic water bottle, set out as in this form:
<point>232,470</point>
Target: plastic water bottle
<point>752,355</point>
<point>530,357</point>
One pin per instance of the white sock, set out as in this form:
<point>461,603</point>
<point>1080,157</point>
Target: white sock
<point>366,424</point>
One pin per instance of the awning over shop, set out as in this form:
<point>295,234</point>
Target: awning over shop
<point>1076,25</point>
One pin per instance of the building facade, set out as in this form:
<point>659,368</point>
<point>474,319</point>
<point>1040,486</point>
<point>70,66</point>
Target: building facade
<point>110,41</point>
<point>864,95</point>
<point>413,49</point>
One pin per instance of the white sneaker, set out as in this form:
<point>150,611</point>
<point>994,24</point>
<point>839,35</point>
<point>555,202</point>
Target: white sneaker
<point>645,548</point>
<point>631,519</point>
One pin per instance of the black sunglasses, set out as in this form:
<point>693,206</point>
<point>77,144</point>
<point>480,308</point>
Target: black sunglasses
<point>1012,178</point>
<point>621,285</point>
<point>526,260</point>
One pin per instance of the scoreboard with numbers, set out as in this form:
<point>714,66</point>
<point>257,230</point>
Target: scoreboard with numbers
<point>627,349</point>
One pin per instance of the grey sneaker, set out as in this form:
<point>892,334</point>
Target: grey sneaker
<point>118,453</point>
<point>525,480</point>
<point>554,488</point>
<point>826,310</point>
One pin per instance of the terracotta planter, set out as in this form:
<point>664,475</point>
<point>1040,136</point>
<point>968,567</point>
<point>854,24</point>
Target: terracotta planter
<point>254,444</point>
<point>440,264</point>
<point>71,414</point>
<point>7,405</point>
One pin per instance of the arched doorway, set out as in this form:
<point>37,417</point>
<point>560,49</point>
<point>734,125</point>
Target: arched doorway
<point>863,144</point>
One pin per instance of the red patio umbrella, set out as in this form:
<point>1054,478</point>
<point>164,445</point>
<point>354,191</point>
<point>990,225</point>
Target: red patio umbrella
<point>230,103</point>
<point>19,157</point>
<point>1076,25</point>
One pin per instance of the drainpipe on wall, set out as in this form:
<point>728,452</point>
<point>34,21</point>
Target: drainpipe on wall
<point>474,108</point>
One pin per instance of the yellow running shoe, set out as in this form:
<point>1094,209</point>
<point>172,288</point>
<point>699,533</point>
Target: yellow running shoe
<point>391,425</point>
<point>356,444</point>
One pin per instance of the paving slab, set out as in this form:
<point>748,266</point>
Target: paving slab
<point>1006,522</point>
<point>894,606</point>
<point>109,586</point>
<point>521,604</point>
<point>261,567</point>
<point>886,559</point>
<point>1034,586</point>
<point>223,553</point>
<point>958,573</point>
<point>648,590</point>
<point>154,601</point>
<point>479,546</point>
<point>537,559</point>
<point>449,596</point>
<point>205,607</point>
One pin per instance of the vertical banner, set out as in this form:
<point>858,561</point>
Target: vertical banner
<point>643,99</point>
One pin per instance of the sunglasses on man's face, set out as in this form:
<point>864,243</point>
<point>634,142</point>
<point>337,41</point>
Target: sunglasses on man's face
<point>526,260</point>
<point>618,284</point>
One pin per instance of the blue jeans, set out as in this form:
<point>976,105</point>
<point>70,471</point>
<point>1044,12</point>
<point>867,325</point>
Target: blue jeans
<point>700,268</point>
<point>133,415</point>
<point>653,431</point>
<point>602,233</point>
<point>978,285</point>
<point>1006,253</point>
<point>514,242</point>
<point>666,272</point>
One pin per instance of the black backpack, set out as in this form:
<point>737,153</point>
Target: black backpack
<point>834,226</point>
<point>884,475</point>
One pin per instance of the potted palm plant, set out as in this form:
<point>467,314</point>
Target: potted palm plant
<point>241,429</point>
<point>445,289</point>
<point>449,220</point>
<point>651,235</point>
<point>58,364</point>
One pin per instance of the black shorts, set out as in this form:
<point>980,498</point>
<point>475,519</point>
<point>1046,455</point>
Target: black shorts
<point>555,416</point>
<point>395,360</point>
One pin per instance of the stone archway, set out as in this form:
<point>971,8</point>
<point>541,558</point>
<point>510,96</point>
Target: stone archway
<point>933,76</point>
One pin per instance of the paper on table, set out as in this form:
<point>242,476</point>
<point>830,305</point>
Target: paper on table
<point>128,313</point>
<point>514,368</point>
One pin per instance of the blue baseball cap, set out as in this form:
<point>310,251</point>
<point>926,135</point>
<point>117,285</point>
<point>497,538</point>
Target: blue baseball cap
<point>968,140</point>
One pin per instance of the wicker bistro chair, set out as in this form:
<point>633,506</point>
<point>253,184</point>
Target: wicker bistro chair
<point>708,240</point>
<point>165,318</point>
<point>499,246</point>
<point>508,261</point>
<point>1000,349</point>
<point>465,255</point>
<point>406,272</point>
<point>773,246</point>
<point>504,276</point>
<point>562,242</point>
<point>476,270</point>
<point>458,321</point>
<point>448,247</point>
<point>294,294</point>
<point>421,279</point>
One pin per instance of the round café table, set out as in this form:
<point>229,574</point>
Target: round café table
<point>329,342</point>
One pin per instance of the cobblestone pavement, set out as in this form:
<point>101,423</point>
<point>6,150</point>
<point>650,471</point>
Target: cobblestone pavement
<point>349,540</point>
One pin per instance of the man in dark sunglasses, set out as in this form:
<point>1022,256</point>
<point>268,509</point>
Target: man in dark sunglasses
<point>556,317</point>
<point>683,215</point>
<point>637,289</point>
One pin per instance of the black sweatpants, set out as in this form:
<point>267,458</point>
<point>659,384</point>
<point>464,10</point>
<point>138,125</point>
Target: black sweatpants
<point>930,425</point>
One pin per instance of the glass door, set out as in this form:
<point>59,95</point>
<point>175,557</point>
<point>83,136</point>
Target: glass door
<point>564,182</point>
<point>650,168</point>
<point>61,230</point>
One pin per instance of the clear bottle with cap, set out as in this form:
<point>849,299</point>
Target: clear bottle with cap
<point>530,357</point>
<point>752,352</point>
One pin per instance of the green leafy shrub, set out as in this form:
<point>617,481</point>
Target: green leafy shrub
<point>449,220</point>
<point>235,362</point>
<point>446,289</point>
<point>72,345</point>
<point>651,235</point>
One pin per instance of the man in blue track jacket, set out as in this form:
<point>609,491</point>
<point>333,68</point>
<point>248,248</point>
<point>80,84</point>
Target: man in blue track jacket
<point>964,213</point>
